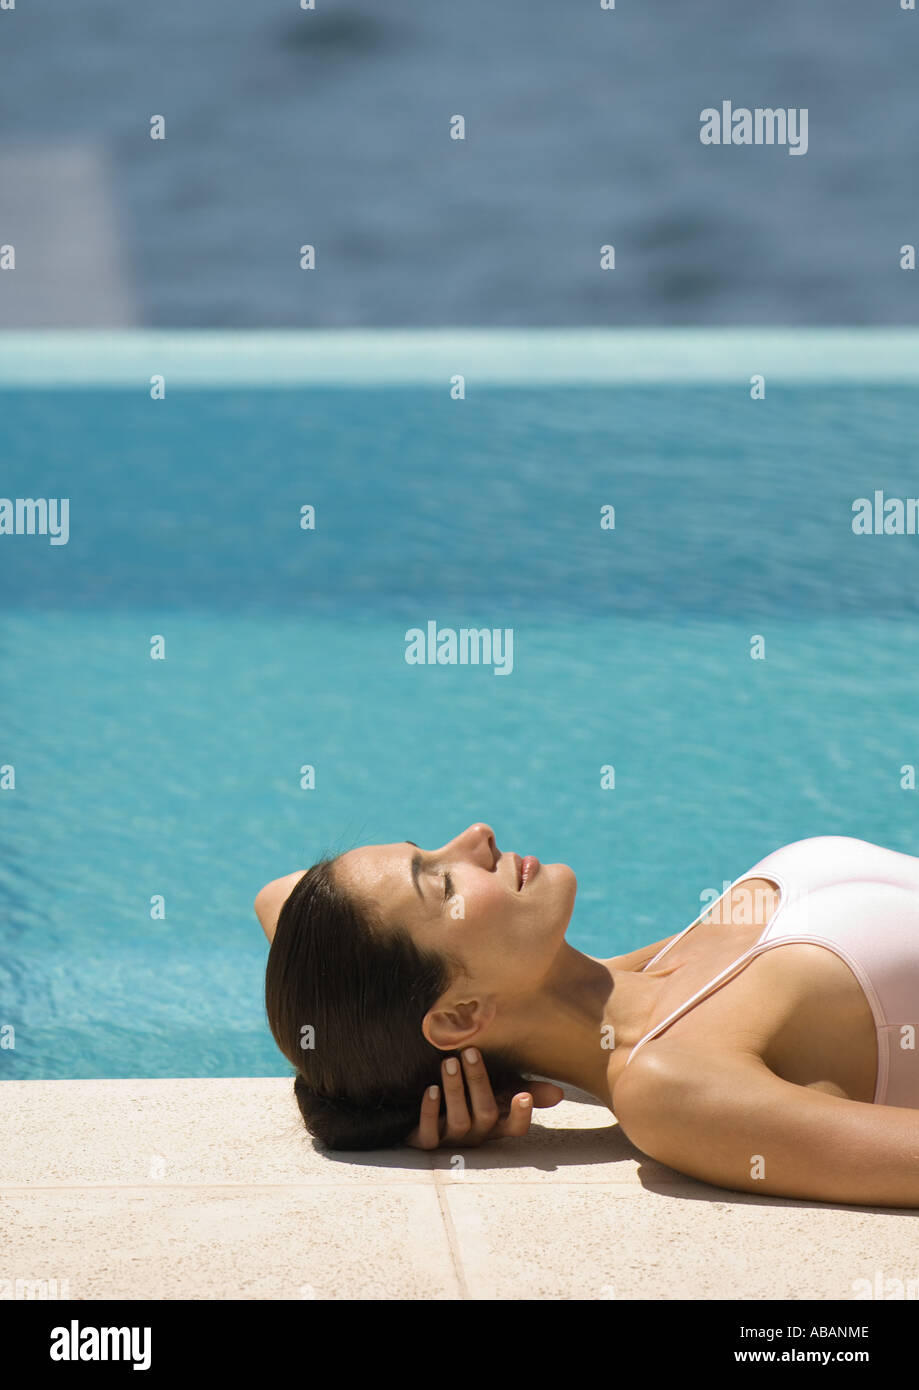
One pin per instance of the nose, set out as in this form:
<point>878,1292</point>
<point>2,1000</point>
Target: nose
<point>478,841</point>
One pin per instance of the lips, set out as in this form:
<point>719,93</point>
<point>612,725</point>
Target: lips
<point>526,869</point>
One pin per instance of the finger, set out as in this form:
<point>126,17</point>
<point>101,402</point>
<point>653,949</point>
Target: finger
<point>485,1113</point>
<point>459,1121</point>
<point>426,1134</point>
<point>517,1121</point>
<point>545,1094</point>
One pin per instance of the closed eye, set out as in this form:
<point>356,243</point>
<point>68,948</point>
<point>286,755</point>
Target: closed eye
<point>448,881</point>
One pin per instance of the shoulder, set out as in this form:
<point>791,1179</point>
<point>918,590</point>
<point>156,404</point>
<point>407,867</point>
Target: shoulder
<point>730,1121</point>
<point>676,1091</point>
<point>658,1088</point>
<point>687,1107</point>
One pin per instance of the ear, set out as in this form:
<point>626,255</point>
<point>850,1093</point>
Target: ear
<point>454,1024</point>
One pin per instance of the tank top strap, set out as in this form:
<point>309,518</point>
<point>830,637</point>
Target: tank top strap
<point>679,936</point>
<point>763,942</point>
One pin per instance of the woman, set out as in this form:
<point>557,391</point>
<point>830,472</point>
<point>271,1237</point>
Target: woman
<point>791,1072</point>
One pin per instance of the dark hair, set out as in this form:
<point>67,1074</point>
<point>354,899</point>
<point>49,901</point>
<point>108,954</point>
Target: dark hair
<point>365,993</point>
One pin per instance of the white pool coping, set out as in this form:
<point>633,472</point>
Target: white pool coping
<point>490,357</point>
<point>211,1189</point>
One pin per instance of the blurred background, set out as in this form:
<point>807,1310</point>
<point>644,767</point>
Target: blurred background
<point>331,127</point>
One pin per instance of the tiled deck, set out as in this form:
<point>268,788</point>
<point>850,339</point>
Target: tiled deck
<point>211,1189</point>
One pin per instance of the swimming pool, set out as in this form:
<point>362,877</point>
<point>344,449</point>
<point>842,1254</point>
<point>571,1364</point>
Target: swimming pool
<point>153,797</point>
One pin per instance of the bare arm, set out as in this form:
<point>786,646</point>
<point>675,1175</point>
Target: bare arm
<point>730,1121</point>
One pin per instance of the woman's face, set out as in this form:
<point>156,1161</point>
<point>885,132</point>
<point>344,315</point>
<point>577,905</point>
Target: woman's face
<point>466,899</point>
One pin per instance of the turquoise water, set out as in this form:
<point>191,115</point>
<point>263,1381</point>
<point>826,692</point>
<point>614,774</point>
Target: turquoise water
<point>181,777</point>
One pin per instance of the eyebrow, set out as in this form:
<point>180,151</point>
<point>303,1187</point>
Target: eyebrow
<point>417,863</point>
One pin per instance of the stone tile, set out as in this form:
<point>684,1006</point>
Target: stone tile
<point>347,1242</point>
<point>200,1130</point>
<point>684,1240</point>
<point>210,1188</point>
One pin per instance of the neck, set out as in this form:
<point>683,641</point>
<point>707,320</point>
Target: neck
<point>586,1013</point>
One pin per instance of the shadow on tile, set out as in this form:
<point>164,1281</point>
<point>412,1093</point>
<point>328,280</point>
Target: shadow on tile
<point>543,1148</point>
<point>656,1177</point>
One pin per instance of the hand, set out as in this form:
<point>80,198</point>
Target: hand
<point>457,1127</point>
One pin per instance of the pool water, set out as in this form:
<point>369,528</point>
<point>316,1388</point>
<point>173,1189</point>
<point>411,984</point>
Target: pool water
<point>142,780</point>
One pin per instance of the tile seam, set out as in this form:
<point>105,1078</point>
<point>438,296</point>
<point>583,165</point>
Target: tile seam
<point>250,1186</point>
<point>453,1243</point>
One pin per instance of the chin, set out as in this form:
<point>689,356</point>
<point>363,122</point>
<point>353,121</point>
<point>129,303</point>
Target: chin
<point>562,882</point>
